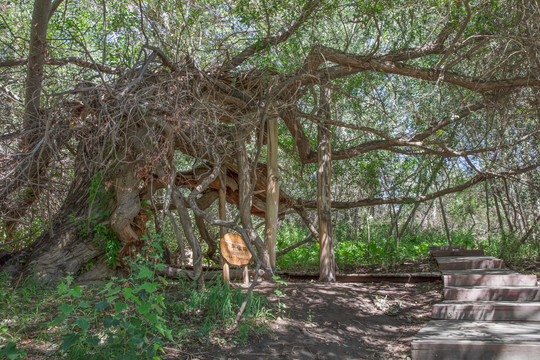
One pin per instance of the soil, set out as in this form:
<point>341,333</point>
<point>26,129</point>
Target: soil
<point>338,321</point>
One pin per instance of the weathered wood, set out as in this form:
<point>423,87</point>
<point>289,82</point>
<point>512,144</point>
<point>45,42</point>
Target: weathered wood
<point>234,250</point>
<point>272,191</point>
<point>466,252</point>
<point>492,293</point>
<point>469,262</point>
<point>477,340</point>
<point>488,278</point>
<point>447,248</point>
<point>486,311</point>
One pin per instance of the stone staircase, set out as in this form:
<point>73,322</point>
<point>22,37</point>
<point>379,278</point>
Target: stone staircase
<point>488,312</point>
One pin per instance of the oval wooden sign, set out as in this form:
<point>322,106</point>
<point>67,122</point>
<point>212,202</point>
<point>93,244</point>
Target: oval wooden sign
<point>234,250</point>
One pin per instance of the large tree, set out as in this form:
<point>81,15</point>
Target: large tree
<point>117,99</point>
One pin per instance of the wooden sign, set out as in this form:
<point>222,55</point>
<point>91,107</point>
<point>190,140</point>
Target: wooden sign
<point>234,249</point>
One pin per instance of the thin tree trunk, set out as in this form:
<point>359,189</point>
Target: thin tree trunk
<point>35,143</point>
<point>505,212</point>
<point>223,216</point>
<point>368,219</point>
<point>424,192</point>
<point>530,230</point>
<point>245,200</point>
<point>185,221</point>
<point>487,211</point>
<point>272,191</point>
<point>446,229</point>
<point>425,215</point>
<point>203,231</point>
<point>499,217</point>
<point>324,205</point>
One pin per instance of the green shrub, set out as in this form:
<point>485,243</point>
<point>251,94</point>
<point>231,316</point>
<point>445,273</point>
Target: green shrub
<point>124,322</point>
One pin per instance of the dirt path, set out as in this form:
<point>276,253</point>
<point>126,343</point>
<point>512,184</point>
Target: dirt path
<point>340,321</point>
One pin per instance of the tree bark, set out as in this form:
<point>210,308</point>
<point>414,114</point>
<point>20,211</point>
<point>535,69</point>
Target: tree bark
<point>326,236</point>
<point>36,142</point>
<point>185,221</point>
<point>70,243</point>
<point>272,192</point>
<point>223,216</point>
<point>244,193</point>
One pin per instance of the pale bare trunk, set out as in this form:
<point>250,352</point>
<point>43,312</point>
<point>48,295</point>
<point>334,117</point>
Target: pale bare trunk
<point>272,192</point>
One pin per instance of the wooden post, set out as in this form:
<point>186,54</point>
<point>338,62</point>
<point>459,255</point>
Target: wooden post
<point>272,191</point>
<point>223,216</point>
<point>324,205</point>
<point>245,275</point>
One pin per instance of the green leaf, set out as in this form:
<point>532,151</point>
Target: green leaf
<point>119,307</point>
<point>137,340</point>
<point>62,288</point>
<point>109,322</point>
<point>128,293</point>
<point>144,307</point>
<point>66,309</point>
<point>83,324</point>
<point>145,273</point>
<point>11,352</point>
<point>149,287</point>
<point>69,341</point>
<point>75,292</point>
<point>92,340</point>
<point>102,305</point>
<point>84,305</point>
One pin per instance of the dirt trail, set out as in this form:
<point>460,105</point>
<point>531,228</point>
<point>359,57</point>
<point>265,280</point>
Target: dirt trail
<point>340,321</point>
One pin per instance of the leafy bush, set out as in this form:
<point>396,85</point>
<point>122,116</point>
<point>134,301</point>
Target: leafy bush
<point>125,321</point>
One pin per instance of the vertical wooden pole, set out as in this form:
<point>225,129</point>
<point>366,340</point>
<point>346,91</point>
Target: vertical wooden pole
<point>324,205</point>
<point>245,275</point>
<point>272,191</point>
<point>223,216</point>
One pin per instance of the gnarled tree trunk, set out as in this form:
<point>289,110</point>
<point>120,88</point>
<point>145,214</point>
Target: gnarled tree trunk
<point>68,244</point>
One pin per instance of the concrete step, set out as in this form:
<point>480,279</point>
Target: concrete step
<point>478,277</point>
<point>446,248</point>
<point>464,252</point>
<point>469,262</point>
<point>492,293</point>
<point>487,311</point>
<point>477,340</point>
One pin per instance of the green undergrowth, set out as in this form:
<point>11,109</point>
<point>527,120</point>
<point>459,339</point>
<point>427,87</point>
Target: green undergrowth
<point>377,248</point>
<point>517,255</point>
<point>135,317</point>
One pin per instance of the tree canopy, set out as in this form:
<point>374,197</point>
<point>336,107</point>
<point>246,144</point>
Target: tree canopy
<point>117,112</point>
